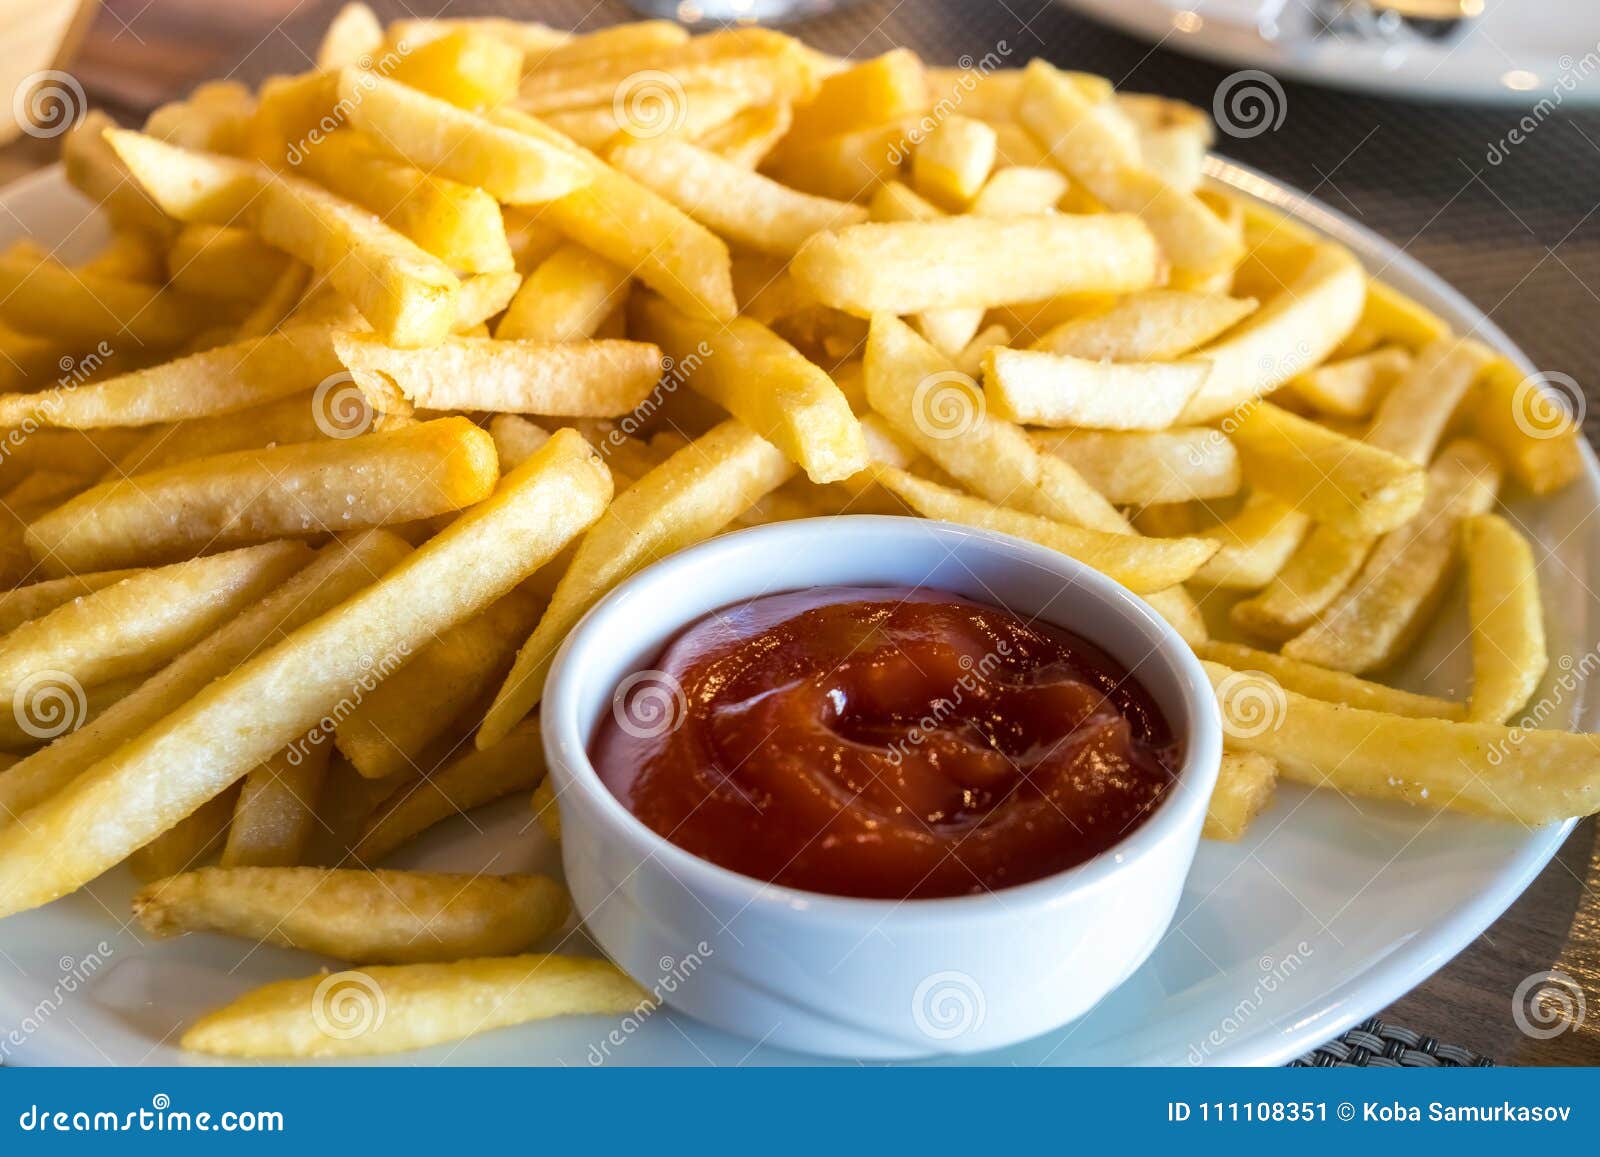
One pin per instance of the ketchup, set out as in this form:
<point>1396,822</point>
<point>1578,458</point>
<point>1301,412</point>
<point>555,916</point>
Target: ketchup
<point>886,742</point>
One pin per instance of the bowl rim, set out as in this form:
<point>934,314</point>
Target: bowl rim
<point>566,748</point>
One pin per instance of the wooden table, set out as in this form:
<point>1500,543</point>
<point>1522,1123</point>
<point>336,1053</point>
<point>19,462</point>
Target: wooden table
<point>141,52</point>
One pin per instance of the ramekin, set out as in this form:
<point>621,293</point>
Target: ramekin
<point>873,979</point>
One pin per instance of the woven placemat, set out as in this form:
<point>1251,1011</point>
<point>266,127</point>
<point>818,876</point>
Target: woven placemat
<point>1514,228</point>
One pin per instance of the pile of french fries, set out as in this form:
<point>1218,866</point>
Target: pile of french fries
<point>392,369</point>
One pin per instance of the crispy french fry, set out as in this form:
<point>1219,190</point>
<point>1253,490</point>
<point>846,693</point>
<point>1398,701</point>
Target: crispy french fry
<point>48,298</point>
<point>300,418</point>
<point>38,717</point>
<point>1330,685</point>
<point>389,730</point>
<point>747,138</point>
<point>849,165</point>
<point>1245,784</point>
<point>276,813</point>
<point>565,298</point>
<point>1352,387</point>
<point>750,210</point>
<point>1147,468</point>
<point>952,162</point>
<point>599,379</point>
<point>462,146</point>
<point>218,381</point>
<point>764,382</point>
<point>873,92</point>
<point>689,497</point>
<point>131,255</point>
<point>1353,487</point>
<point>970,360</point>
<point>1530,428</point>
<point>468,67</point>
<point>136,625</point>
<point>1154,325</point>
<point>188,184</point>
<point>353,33</point>
<point>1293,331</point>
<point>1019,191</point>
<point>1389,601</point>
<point>424,1004</point>
<point>545,810</point>
<point>1508,646</point>
<point>37,599</point>
<point>94,169</point>
<point>1536,777</point>
<point>701,111</point>
<point>940,411</point>
<point>535,40</point>
<point>1066,123</point>
<point>338,571</point>
<point>459,224</point>
<point>369,917</point>
<point>515,440</point>
<point>1412,416</point>
<point>249,496</point>
<point>248,715</point>
<point>1390,315</point>
<point>1045,389</point>
<point>189,843</point>
<point>1326,563</point>
<point>948,329</point>
<point>1141,564</point>
<point>223,261</point>
<point>1254,544</point>
<point>906,267</point>
<point>471,779</point>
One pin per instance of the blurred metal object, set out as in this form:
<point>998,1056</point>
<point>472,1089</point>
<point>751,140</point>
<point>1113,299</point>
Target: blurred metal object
<point>1397,20</point>
<point>737,11</point>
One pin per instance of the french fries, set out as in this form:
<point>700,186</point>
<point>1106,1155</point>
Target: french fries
<point>86,827</point>
<point>954,160</point>
<point>1178,464</point>
<point>1245,785</point>
<point>1154,325</point>
<point>689,497</point>
<point>1330,685</point>
<point>1044,389</point>
<point>565,298</point>
<point>911,266</point>
<point>275,816</point>
<point>592,379</point>
<point>366,917</point>
<point>1253,545</point>
<point>1413,414</point>
<point>424,1004</point>
<point>388,477</point>
<point>1508,648</point>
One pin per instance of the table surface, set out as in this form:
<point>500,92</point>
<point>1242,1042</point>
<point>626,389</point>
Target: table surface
<point>1520,237</point>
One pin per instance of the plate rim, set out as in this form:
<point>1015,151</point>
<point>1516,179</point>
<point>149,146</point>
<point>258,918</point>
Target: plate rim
<point>1386,978</point>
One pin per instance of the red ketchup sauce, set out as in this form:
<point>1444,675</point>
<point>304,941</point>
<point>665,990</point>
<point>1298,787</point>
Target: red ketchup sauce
<point>886,742</point>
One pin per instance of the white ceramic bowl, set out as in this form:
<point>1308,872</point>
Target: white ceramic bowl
<point>870,978</point>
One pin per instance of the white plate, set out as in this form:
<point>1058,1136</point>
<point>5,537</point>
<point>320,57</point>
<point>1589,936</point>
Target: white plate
<point>1517,52</point>
<point>1330,910</point>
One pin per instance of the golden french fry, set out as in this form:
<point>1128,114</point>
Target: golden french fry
<point>47,298</point>
<point>1154,325</point>
<point>1389,601</point>
<point>1141,564</point>
<point>743,207</point>
<point>941,412</point>
<point>535,40</point>
<point>764,382</point>
<point>459,224</point>
<point>353,33</point>
<point>274,308</point>
<point>1083,144</point>
<point>689,497</point>
<point>483,297</point>
<point>909,266</point>
<point>94,169</point>
<point>223,261</point>
<point>424,1004</point>
<point>1327,561</point>
<point>1019,191</point>
<point>952,162</point>
<point>38,719</point>
<point>1528,425</point>
<point>1352,387</point>
<point>1412,416</point>
<point>950,330</point>
<point>471,779</point>
<point>848,165</point>
<point>1508,646</point>
<point>304,417</point>
<point>218,381</point>
<point>136,625</point>
<point>468,67</point>
<point>1148,468</point>
<point>275,816</point>
<point>1348,485</point>
<point>747,138</point>
<point>189,184</point>
<point>1245,784</point>
<point>463,146</point>
<point>565,298</point>
<point>1044,389</point>
<point>212,740</point>
<point>545,810</point>
<point>189,843</point>
<point>515,440</point>
<point>1293,331</point>
<point>131,255</point>
<point>885,88</point>
<point>599,379</point>
<point>1535,777</point>
<point>368,917</point>
<point>970,360</point>
<point>1389,315</point>
<point>249,496</point>
<point>992,93</point>
<point>339,570</point>
<point>30,602</point>
<point>389,730</point>
<point>1254,544</point>
<point>1333,686</point>
<point>701,111</point>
